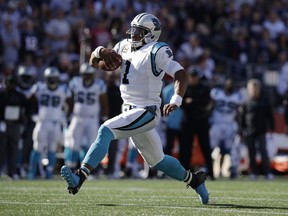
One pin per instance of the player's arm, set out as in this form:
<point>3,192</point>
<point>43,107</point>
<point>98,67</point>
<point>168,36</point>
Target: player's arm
<point>70,106</point>
<point>105,58</point>
<point>69,100</point>
<point>180,85</point>
<point>180,82</point>
<point>163,58</point>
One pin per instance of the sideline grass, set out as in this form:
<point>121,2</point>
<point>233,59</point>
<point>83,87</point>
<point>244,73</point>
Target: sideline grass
<point>143,197</point>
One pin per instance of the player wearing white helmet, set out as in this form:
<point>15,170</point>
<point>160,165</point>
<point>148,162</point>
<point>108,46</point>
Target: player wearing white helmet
<point>144,64</point>
<point>89,104</point>
<point>51,97</point>
<point>224,126</point>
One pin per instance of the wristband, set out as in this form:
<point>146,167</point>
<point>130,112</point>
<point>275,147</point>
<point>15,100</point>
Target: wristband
<point>176,99</point>
<point>96,52</point>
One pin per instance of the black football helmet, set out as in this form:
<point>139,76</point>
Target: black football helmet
<point>26,76</point>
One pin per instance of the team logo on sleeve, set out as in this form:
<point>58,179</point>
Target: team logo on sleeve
<point>169,52</point>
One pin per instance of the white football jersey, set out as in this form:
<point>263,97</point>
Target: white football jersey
<point>142,72</point>
<point>51,103</point>
<point>225,109</point>
<point>86,99</point>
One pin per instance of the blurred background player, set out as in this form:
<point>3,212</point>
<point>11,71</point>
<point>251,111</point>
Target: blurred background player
<point>224,125</point>
<point>89,105</point>
<point>47,134</point>
<point>26,79</point>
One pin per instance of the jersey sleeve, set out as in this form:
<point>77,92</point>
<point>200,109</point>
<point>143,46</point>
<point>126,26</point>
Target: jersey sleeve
<point>119,46</point>
<point>164,61</point>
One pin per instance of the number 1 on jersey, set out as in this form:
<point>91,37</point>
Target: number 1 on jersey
<point>124,79</point>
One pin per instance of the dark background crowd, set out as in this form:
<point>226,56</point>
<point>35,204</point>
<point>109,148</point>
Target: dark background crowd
<point>237,39</point>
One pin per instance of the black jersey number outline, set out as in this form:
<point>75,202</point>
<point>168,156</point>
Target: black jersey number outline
<point>124,79</point>
<point>88,98</point>
<point>49,100</point>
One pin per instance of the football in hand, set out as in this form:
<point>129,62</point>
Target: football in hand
<point>111,61</point>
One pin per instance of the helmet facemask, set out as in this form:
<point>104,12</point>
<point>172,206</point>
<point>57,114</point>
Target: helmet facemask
<point>139,36</point>
<point>26,81</point>
<point>88,74</point>
<point>88,79</point>
<point>52,82</point>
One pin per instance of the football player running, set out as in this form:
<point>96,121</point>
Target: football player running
<point>144,63</point>
<point>51,97</point>
<point>89,103</point>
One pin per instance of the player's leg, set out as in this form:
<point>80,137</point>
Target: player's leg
<point>235,155</point>
<point>40,139</point>
<point>132,165</point>
<point>231,147</point>
<point>216,137</point>
<point>90,126</point>
<point>55,138</point>
<point>73,140</point>
<point>150,147</point>
<point>121,126</point>
<point>27,143</point>
<point>95,154</point>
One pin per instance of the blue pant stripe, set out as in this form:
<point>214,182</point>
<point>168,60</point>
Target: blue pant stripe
<point>145,118</point>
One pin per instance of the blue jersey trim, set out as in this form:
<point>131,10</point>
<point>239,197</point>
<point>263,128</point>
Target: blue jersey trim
<point>154,51</point>
<point>144,119</point>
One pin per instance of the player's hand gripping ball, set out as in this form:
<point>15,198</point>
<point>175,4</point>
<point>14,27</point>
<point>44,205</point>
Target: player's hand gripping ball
<point>110,61</point>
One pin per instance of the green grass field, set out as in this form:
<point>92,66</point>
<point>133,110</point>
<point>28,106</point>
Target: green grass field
<point>143,197</point>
